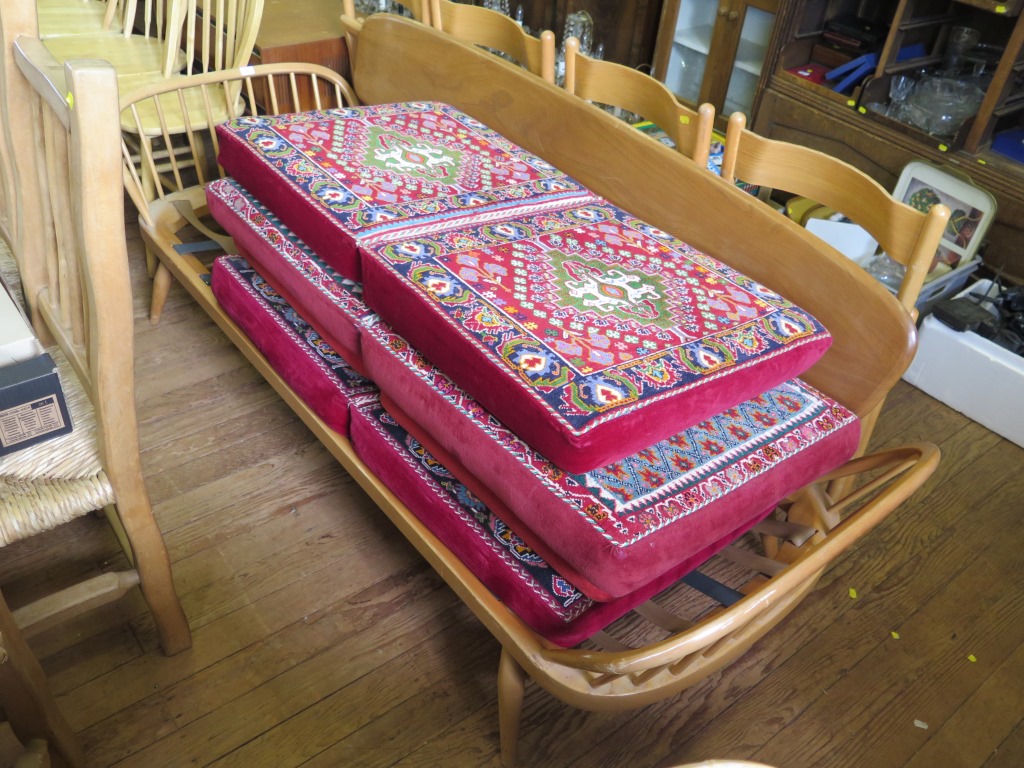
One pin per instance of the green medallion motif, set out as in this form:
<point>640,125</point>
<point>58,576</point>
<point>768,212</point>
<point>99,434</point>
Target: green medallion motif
<point>591,285</point>
<point>391,151</point>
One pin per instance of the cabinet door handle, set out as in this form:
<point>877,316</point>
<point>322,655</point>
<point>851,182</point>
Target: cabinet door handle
<point>733,15</point>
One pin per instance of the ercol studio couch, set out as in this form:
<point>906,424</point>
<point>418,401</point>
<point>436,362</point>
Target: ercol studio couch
<point>872,342</point>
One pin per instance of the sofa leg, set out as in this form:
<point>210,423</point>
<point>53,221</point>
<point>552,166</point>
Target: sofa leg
<point>511,684</point>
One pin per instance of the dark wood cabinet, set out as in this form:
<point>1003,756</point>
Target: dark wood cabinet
<point>858,126</point>
<point>627,28</point>
<point>713,50</point>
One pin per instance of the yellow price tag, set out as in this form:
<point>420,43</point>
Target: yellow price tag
<point>853,593</point>
<point>1000,9</point>
<point>851,103</point>
<point>983,161</point>
<point>943,148</point>
<point>862,110</point>
<point>895,635</point>
<point>972,658</point>
<point>70,99</point>
<point>684,119</point>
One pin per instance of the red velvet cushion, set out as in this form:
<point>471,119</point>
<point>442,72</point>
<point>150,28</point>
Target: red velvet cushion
<point>328,174</point>
<point>612,530</point>
<point>350,405</point>
<point>323,379</point>
<point>587,332</point>
<point>332,304</point>
<point>505,564</point>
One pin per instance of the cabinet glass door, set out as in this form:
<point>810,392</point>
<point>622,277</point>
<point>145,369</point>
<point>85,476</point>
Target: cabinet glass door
<point>750,55</point>
<point>690,46</point>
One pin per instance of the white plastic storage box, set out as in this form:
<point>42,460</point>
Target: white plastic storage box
<point>971,374</point>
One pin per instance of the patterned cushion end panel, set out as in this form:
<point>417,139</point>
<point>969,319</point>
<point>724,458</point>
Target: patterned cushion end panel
<point>321,377</point>
<point>618,527</point>
<point>332,303</point>
<point>506,565</point>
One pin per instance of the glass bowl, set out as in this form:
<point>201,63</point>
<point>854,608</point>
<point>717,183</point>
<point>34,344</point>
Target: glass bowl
<point>939,105</point>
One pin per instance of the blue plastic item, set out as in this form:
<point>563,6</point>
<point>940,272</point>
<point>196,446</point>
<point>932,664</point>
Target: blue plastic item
<point>857,69</point>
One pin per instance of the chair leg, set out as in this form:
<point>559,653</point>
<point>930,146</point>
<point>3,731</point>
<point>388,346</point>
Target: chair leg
<point>161,287</point>
<point>151,261</point>
<point>511,684</point>
<point>148,553</point>
<point>25,697</point>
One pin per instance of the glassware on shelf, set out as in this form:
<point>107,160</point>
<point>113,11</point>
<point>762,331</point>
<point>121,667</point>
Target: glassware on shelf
<point>900,88</point>
<point>886,271</point>
<point>939,105</point>
<point>580,25</point>
<point>961,40</point>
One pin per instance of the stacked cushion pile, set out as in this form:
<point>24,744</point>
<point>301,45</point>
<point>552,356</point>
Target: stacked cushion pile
<point>562,387</point>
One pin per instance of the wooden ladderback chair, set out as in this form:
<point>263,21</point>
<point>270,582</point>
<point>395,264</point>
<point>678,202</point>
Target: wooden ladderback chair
<point>27,704</point>
<point>165,175</point>
<point>496,31</point>
<point>616,85</point>
<point>218,36</point>
<point>907,235</point>
<point>83,300</point>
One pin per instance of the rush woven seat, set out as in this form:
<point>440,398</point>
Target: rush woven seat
<point>51,483</point>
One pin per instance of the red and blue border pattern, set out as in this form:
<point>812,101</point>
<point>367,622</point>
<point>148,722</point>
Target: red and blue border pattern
<point>628,500</point>
<point>501,285</point>
<point>322,377</point>
<point>248,217</point>
<point>474,519</point>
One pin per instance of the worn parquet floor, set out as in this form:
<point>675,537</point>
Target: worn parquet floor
<point>322,639</point>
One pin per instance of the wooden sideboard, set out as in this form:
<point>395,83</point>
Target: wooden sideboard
<point>845,126</point>
<point>302,30</point>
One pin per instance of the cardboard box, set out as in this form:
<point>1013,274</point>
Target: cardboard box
<point>971,374</point>
<point>32,406</point>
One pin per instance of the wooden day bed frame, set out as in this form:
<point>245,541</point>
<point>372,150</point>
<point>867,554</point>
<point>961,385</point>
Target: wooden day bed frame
<point>873,342</point>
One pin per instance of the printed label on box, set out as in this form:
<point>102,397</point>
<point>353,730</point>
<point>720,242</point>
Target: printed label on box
<point>28,420</point>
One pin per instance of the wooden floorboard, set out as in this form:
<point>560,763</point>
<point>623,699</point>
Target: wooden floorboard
<point>322,639</point>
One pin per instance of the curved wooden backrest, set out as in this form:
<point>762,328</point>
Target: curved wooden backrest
<point>490,29</point>
<point>182,174</point>
<point>873,336</point>
<point>620,86</point>
<point>906,234</point>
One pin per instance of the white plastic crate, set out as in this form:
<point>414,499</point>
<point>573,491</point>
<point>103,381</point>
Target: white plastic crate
<point>971,374</point>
